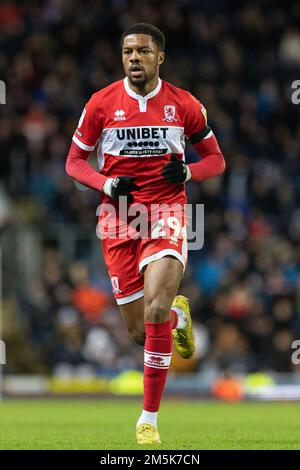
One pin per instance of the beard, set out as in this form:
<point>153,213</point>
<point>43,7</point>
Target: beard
<point>142,80</point>
<point>139,82</point>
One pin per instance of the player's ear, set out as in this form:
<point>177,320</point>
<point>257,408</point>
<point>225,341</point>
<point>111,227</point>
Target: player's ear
<point>161,57</point>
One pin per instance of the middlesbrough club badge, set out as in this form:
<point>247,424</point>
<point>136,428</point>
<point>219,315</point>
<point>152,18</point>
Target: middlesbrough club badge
<point>115,285</point>
<point>170,111</point>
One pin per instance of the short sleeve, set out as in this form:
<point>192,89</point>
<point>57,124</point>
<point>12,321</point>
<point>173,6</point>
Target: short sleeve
<point>195,116</point>
<point>89,127</point>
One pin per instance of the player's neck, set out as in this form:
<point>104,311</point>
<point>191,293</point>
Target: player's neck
<point>146,89</point>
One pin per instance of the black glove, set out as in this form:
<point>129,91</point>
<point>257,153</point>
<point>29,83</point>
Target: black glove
<point>176,171</point>
<point>122,186</point>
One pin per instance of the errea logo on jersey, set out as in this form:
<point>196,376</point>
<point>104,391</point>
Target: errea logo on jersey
<point>119,115</point>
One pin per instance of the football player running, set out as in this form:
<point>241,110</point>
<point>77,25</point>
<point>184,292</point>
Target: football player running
<point>140,124</point>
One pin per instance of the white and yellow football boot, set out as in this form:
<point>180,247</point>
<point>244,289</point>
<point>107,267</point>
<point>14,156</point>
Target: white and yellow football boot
<point>183,337</point>
<point>147,434</point>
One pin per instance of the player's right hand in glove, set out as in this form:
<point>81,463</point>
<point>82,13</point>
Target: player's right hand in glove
<point>120,186</point>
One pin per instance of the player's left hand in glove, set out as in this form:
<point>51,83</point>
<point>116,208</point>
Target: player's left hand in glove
<point>120,186</point>
<point>176,171</point>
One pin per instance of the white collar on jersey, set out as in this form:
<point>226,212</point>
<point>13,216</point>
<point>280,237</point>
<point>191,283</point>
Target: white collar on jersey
<point>140,97</point>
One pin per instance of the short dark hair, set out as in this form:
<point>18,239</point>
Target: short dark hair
<point>149,29</point>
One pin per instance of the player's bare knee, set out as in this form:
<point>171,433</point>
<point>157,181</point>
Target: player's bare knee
<point>156,311</point>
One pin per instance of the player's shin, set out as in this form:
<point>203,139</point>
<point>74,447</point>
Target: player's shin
<point>157,358</point>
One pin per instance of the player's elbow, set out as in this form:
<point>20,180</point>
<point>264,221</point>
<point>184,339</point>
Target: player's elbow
<point>69,167</point>
<point>221,164</point>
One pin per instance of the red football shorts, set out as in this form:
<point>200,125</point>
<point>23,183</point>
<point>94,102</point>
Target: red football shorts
<point>129,246</point>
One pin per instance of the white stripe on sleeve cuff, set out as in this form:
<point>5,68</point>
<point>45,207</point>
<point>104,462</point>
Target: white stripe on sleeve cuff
<point>81,145</point>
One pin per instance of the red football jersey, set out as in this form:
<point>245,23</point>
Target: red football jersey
<point>137,134</point>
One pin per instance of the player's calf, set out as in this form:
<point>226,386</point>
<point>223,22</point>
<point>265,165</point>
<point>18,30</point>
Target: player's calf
<point>138,337</point>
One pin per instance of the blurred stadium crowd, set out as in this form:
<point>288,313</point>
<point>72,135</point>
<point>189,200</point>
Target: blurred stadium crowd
<point>240,59</point>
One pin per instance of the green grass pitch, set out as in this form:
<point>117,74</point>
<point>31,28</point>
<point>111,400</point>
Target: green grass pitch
<point>110,424</point>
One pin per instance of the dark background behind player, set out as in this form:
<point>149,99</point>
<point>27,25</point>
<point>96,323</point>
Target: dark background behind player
<point>240,59</point>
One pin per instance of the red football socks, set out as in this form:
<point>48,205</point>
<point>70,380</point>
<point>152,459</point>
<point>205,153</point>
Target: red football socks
<point>157,358</point>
